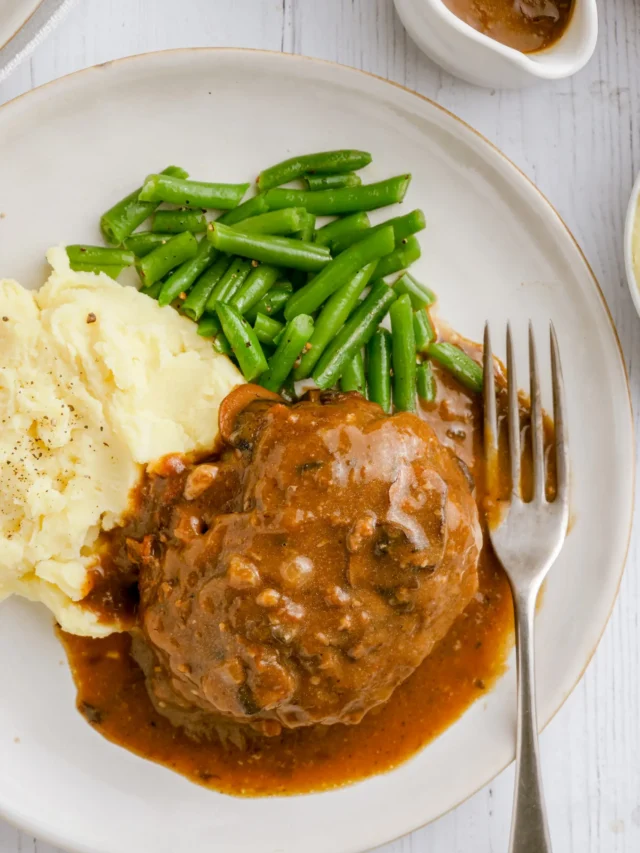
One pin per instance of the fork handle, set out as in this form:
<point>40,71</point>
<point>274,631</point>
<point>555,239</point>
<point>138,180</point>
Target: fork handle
<point>529,830</point>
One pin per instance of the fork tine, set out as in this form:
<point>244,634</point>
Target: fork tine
<point>513,416</point>
<point>490,414</point>
<point>562,447</point>
<point>537,429</point>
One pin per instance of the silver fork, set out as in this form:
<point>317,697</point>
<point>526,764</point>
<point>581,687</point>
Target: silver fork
<point>527,539</point>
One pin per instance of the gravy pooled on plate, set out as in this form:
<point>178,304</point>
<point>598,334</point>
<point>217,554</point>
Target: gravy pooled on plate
<point>525,25</point>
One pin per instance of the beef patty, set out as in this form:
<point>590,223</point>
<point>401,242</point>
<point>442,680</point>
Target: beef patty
<point>305,571</point>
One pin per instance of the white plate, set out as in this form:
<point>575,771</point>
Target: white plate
<point>494,248</point>
<point>23,25</point>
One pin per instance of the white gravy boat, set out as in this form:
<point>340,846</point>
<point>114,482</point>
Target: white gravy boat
<point>481,60</point>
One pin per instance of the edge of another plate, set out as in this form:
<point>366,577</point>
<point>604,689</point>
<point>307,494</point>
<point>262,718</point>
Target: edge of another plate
<point>33,31</point>
<point>57,839</point>
<point>633,214</point>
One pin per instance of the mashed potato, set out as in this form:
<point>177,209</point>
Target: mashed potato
<point>95,380</point>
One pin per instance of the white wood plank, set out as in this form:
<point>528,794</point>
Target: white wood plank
<point>579,140</point>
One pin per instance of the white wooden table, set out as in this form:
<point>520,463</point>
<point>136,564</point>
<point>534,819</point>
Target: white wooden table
<point>579,140</point>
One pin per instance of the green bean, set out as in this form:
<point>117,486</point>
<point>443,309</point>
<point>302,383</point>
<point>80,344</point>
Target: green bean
<point>267,329</point>
<point>356,333</point>
<point>333,232</point>
<point>199,294</point>
<point>229,284</point>
<point>112,270</point>
<point>419,294</point>
<point>177,221</point>
<point>154,291</point>
<point>346,200</point>
<point>270,304</point>
<point>426,382</point>
<point>251,207</point>
<point>403,227</point>
<point>467,371</point>
<point>295,338</point>
<point>158,263</point>
<point>257,284</point>
<point>243,341</point>
<point>308,227</point>
<point>332,182</point>
<point>209,326</point>
<point>124,217</point>
<point>279,251</point>
<point>286,221</point>
<point>423,329</point>
<point>144,242</point>
<point>192,193</point>
<point>221,344</point>
<point>288,390</point>
<point>379,369</point>
<point>353,377</point>
<point>182,280</point>
<point>403,355</point>
<point>322,163</point>
<point>98,256</point>
<point>337,229</point>
<point>298,277</point>
<point>339,272</point>
<point>333,316</point>
<point>400,258</point>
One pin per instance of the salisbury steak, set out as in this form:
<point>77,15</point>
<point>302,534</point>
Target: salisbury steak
<point>307,570</point>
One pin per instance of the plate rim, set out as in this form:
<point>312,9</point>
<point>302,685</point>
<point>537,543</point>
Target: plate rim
<point>59,840</point>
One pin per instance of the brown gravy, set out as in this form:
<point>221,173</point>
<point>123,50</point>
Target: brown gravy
<point>525,25</point>
<point>113,698</point>
<point>464,665</point>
